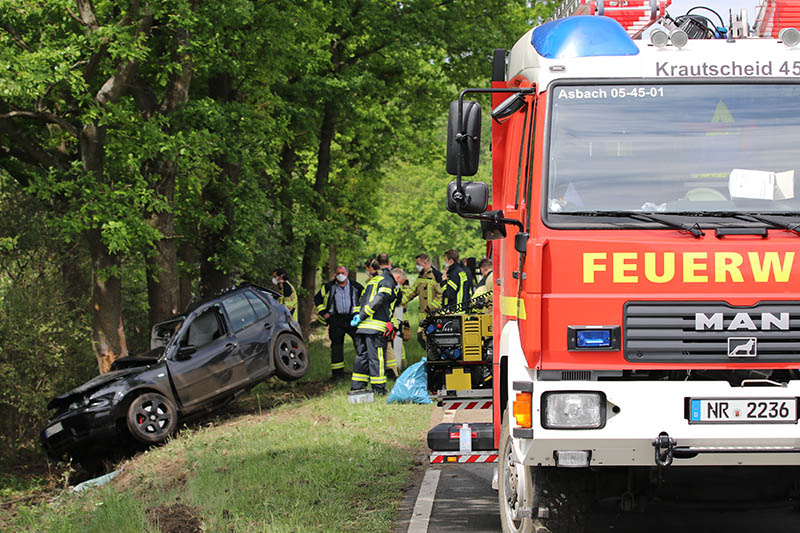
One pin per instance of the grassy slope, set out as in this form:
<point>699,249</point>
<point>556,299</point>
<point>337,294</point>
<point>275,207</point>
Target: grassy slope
<point>318,464</point>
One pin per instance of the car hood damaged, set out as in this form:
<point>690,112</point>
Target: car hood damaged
<point>89,387</point>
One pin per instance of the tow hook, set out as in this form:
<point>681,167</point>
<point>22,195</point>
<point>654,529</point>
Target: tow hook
<point>664,446</point>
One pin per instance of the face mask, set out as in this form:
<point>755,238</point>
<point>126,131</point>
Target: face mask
<point>419,268</point>
<point>274,281</point>
<point>340,278</point>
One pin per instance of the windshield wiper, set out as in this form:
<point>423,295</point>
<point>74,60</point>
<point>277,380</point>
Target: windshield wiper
<point>794,228</point>
<point>752,217</point>
<point>694,229</point>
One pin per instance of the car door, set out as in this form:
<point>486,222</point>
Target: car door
<point>206,361</point>
<point>252,321</point>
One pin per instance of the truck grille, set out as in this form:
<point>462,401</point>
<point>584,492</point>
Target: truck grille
<point>671,332</point>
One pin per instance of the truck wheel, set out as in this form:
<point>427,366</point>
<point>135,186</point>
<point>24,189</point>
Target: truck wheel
<point>290,356</point>
<point>514,487</point>
<point>152,418</point>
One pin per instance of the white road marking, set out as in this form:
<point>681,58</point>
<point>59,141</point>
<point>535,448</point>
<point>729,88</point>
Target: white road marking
<point>421,516</point>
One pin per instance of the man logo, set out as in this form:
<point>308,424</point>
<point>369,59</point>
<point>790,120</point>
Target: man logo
<point>742,346</point>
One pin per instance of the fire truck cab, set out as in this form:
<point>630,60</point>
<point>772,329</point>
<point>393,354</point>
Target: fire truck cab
<point>644,220</point>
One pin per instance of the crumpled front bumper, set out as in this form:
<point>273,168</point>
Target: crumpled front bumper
<point>77,430</point>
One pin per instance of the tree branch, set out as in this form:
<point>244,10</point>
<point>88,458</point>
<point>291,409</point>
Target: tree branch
<point>87,16</point>
<point>15,36</point>
<point>76,17</point>
<point>43,116</point>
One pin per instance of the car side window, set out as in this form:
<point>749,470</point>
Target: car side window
<point>205,328</point>
<point>239,311</point>
<point>261,309</point>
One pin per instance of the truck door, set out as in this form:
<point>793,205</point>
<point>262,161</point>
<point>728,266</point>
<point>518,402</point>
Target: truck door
<point>207,360</point>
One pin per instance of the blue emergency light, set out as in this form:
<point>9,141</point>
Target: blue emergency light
<point>594,338</point>
<point>582,36</point>
<point>586,337</point>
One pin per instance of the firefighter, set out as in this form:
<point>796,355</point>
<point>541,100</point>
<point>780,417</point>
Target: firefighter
<point>487,280</point>
<point>288,293</point>
<point>457,286</point>
<point>395,354</point>
<point>427,288</point>
<point>336,302</point>
<point>371,267</point>
<point>374,329</point>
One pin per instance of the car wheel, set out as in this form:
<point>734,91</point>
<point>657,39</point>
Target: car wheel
<point>290,356</point>
<point>152,418</point>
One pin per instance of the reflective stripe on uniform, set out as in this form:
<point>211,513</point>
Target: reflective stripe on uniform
<point>381,378</point>
<point>337,366</point>
<point>371,324</point>
<point>360,377</point>
<point>386,290</point>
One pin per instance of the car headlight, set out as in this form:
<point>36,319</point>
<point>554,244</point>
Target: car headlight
<point>574,410</point>
<point>79,403</point>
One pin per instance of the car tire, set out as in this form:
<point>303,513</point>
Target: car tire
<point>290,356</point>
<point>152,417</point>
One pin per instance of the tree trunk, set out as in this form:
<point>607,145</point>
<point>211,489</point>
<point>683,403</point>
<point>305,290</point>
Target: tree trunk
<point>189,255</point>
<point>108,335</point>
<point>162,269</point>
<point>311,252</point>
<point>333,262</point>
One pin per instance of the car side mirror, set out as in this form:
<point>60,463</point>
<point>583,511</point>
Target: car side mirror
<point>185,353</point>
<point>464,139</point>
<point>472,199</point>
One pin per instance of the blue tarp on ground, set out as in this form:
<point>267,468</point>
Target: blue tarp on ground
<point>411,386</point>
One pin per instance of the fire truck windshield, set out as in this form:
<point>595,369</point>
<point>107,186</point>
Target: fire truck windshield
<point>683,148</point>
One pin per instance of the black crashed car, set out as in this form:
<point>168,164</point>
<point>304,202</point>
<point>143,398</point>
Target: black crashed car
<point>197,361</point>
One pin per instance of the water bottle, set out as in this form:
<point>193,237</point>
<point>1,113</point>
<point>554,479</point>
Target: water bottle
<point>465,439</point>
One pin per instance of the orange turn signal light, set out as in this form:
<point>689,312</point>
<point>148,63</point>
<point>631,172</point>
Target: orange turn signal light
<point>522,409</point>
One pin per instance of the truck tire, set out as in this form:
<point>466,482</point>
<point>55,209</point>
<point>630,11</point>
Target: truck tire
<point>514,487</point>
<point>558,498</point>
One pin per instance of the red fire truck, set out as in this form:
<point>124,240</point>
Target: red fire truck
<point>644,221</point>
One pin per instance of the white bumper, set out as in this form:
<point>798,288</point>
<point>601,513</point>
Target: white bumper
<point>649,408</point>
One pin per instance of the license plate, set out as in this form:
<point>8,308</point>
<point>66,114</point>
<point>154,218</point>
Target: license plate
<point>52,430</point>
<point>750,410</point>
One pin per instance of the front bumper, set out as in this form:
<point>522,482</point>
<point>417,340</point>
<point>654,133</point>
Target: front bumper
<point>77,430</point>
<point>646,410</point>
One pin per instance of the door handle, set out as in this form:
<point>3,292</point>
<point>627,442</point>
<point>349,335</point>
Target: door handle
<point>229,347</point>
<point>267,325</point>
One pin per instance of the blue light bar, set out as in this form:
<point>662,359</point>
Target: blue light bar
<point>583,36</point>
<point>594,338</point>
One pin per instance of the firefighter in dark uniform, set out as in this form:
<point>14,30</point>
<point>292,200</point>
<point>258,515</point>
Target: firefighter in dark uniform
<point>457,287</point>
<point>374,328</point>
<point>336,302</point>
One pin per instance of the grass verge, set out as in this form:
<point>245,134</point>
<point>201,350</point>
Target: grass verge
<point>285,463</point>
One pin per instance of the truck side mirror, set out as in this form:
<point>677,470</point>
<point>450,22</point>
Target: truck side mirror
<point>472,199</point>
<point>464,140</point>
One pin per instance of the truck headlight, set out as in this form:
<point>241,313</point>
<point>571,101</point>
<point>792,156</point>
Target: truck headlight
<point>574,410</point>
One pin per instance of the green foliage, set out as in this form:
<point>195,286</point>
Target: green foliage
<point>239,160</point>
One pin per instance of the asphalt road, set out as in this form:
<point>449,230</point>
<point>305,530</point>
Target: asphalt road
<point>465,501</point>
